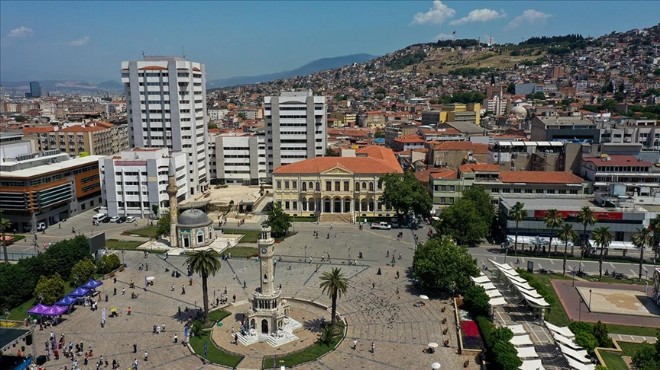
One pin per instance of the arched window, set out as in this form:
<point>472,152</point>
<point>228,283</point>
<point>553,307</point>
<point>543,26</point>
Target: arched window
<point>371,186</point>
<point>304,186</point>
<point>364,185</point>
<point>357,186</point>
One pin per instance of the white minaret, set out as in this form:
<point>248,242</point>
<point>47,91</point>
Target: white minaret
<point>172,189</point>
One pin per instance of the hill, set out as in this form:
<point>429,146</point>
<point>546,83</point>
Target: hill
<point>309,68</point>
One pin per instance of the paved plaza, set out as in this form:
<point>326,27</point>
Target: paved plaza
<point>377,308</point>
<point>623,302</point>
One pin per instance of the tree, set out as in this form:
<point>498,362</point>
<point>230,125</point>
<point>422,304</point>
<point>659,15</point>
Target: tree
<point>163,225</point>
<point>601,333</point>
<point>645,358</point>
<point>586,217</point>
<point>49,289</point>
<point>440,264</point>
<point>462,222</point>
<point>518,213</point>
<point>603,238</point>
<point>506,356</point>
<point>640,239</point>
<point>552,220</point>
<point>328,334</point>
<point>108,263</point>
<point>5,225</point>
<point>566,234</point>
<point>482,201</point>
<point>476,300</point>
<point>278,220</point>
<point>405,194</point>
<point>655,226</point>
<point>206,263</point>
<point>587,341</point>
<point>82,271</point>
<point>334,284</point>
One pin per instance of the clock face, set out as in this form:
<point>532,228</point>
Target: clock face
<point>264,250</point>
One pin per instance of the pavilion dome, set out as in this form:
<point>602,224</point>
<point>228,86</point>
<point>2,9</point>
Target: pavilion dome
<point>193,217</point>
<point>519,111</point>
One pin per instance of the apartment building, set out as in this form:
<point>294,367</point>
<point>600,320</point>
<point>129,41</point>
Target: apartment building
<point>135,181</point>
<point>620,175</point>
<point>167,109</point>
<point>295,127</point>
<point>238,159</point>
<point>551,128</point>
<point>47,187</point>
<point>95,138</point>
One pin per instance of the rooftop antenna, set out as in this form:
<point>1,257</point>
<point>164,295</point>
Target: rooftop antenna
<point>183,52</point>
<point>143,54</point>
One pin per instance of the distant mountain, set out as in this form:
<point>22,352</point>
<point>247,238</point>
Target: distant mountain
<point>110,85</point>
<point>309,68</point>
<point>65,86</point>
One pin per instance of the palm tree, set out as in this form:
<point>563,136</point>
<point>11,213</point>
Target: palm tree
<point>586,217</point>
<point>603,238</point>
<point>206,263</point>
<point>655,226</point>
<point>566,233</point>
<point>334,284</point>
<point>5,225</point>
<point>518,213</point>
<point>553,220</point>
<point>641,238</point>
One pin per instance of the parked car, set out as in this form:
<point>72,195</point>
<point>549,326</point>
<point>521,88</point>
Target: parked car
<point>130,219</point>
<point>121,220</point>
<point>106,220</point>
<point>395,223</point>
<point>381,225</point>
<point>41,226</point>
<point>99,217</point>
<point>114,219</point>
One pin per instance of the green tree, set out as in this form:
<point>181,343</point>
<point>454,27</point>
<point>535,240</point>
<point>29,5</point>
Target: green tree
<point>278,220</point>
<point>49,289</point>
<point>482,202</point>
<point>587,341</point>
<point>440,264</point>
<point>566,233</point>
<point>518,213</point>
<point>601,333</point>
<point>645,358</point>
<point>328,334</point>
<point>463,222</point>
<point>602,238</point>
<point>5,225</point>
<point>206,263</point>
<point>476,300</point>
<point>640,239</point>
<point>82,271</point>
<point>552,220</point>
<point>334,284</point>
<point>405,194</point>
<point>655,226</point>
<point>506,356</point>
<point>586,217</point>
<point>163,225</point>
<point>108,263</point>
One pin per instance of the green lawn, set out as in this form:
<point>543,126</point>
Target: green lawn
<point>213,353</point>
<point>609,279</point>
<point>20,312</point>
<point>215,316</point>
<point>613,360</point>
<point>242,252</point>
<point>632,330</point>
<point>122,244</point>
<point>249,236</point>
<point>308,354</point>
<point>628,348</point>
<point>147,232</point>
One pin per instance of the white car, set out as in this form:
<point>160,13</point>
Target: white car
<point>381,225</point>
<point>130,219</point>
<point>114,219</point>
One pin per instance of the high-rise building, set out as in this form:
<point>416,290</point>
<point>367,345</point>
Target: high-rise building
<point>295,127</point>
<point>166,99</point>
<point>35,89</point>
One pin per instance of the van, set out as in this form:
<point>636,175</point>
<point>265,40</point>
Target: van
<point>99,217</point>
<point>41,226</point>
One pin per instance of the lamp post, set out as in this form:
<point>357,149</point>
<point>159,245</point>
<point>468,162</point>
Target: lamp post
<point>574,275</point>
<point>122,259</point>
<point>580,309</point>
<point>305,254</point>
<point>589,300</point>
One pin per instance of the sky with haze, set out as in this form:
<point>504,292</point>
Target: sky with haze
<point>87,40</point>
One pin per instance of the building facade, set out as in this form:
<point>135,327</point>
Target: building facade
<point>47,187</point>
<point>295,127</point>
<point>345,187</point>
<point>95,138</point>
<point>239,159</point>
<point>135,181</point>
<point>167,109</point>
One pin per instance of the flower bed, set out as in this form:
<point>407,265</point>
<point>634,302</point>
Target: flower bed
<point>470,335</point>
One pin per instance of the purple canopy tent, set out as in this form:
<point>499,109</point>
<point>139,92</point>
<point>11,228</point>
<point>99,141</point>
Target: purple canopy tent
<point>79,292</point>
<point>39,309</point>
<point>91,284</point>
<point>66,301</point>
<point>55,311</point>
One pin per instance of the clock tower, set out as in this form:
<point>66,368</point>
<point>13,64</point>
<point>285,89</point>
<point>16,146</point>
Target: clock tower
<point>268,310</point>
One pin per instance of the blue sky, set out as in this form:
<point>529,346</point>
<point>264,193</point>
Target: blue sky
<point>79,40</point>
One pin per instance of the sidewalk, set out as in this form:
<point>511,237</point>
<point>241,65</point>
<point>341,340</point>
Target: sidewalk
<point>632,338</point>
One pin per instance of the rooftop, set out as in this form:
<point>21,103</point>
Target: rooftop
<point>53,167</point>
<point>540,177</point>
<point>617,160</point>
<point>378,160</point>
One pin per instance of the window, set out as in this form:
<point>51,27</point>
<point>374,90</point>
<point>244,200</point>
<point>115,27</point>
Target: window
<point>337,186</point>
<point>328,186</point>
<point>286,205</point>
<point>357,186</point>
<point>304,186</point>
<point>294,184</point>
<point>286,184</point>
<point>295,205</point>
<point>371,186</point>
<point>346,185</point>
<point>278,184</point>
<point>539,191</point>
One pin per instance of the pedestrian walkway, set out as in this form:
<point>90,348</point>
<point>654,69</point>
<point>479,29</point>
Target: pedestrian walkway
<point>632,338</point>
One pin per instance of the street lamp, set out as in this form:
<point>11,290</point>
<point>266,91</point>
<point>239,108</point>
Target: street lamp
<point>305,254</point>
<point>573,275</point>
<point>580,309</point>
<point>122,259</point>
<point>589,300</point>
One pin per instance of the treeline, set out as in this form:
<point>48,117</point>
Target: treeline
<point>18,281</point>
<point>456,43</point>
<point>469,71</point>
<point>545,40</point>
<point>406,60</point>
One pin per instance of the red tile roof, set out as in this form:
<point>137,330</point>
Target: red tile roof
<point>445,173</point>
<point>37,129</point>
<point>80,128</point>
<point>617,160</point>
<point>408,139</point>
<point>479,167</point>
<point>540,177</point>
<point>476,148</point>
<point>379,160</point>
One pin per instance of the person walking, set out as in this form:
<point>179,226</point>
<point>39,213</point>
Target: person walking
<point>175,338</point>
<point>373,347</point>
<point>355,344</point>
<point>145,356</point>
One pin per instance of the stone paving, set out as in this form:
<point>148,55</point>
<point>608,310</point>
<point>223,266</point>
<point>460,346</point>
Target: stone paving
<point>373,309</point>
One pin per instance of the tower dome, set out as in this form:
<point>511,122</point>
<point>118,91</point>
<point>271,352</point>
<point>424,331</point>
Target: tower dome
<point>193,217</point>
<point>519,111</point>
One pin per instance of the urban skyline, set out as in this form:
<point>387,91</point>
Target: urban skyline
<point>89,39</point>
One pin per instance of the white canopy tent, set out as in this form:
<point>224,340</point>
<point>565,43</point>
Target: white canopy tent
<point>581,355</point>
<point>566,341</point>
<point>526,352</point>
<point>487,286</point>
<point>563,331</point>
<point>480,279</point>
<point>532,365</point>
<point>493,293</point>
<point>574,364</point>
<point>521,340</point>
<point>497,301</point>
<point>517,329</point>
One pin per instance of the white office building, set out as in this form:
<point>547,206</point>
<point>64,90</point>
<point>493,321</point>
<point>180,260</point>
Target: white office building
<point>135,181</point>
<point>239,158</point>
<point>295,127</point>
<point>167,109</point>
